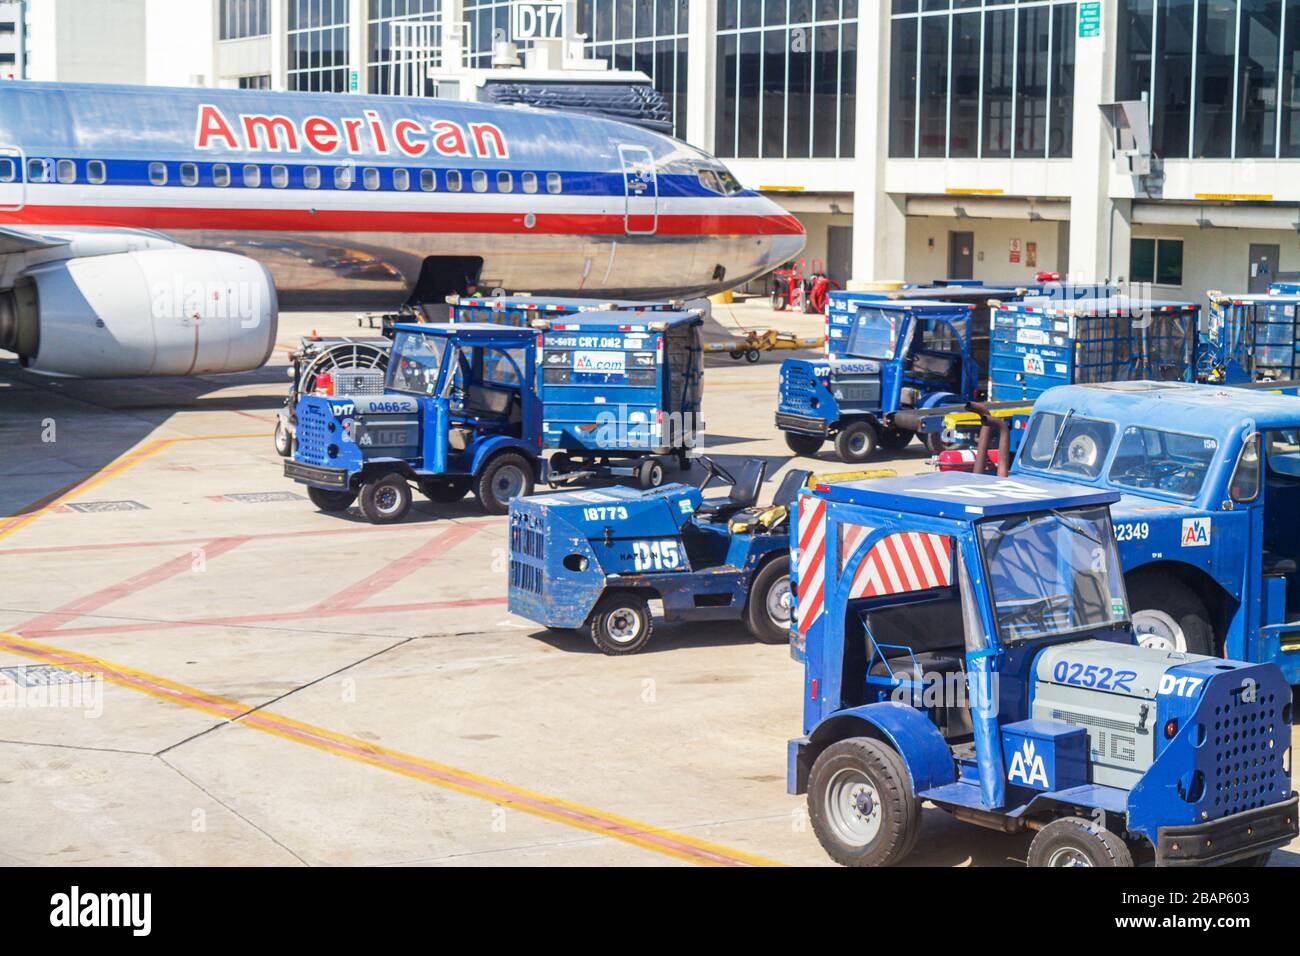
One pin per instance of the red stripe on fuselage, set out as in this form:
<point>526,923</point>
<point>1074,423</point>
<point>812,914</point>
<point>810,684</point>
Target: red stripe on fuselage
<point>360,221</point>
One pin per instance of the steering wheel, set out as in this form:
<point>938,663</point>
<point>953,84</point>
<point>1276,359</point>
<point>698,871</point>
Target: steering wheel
<point>1152,473</point>
<point>713,470</point>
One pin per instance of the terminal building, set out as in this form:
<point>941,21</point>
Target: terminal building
<point>1145,141</point>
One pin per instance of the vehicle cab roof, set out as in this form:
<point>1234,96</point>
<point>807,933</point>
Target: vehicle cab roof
<point>1176,406</point>
<point>484,330</point>
<point>963,496</point>
<point>627,320</point>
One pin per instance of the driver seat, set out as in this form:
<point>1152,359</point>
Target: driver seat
<point>744,493</point>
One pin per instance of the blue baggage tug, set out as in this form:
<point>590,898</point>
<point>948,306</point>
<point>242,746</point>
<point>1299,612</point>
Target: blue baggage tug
<point>473,407</point>
<point>597,558</point>
<point>900,354</point>
<point>967,641</point>
<point>522,309</point>
<point>1038,343</point>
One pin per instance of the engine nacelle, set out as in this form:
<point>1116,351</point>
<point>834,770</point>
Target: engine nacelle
<point>147,312</point>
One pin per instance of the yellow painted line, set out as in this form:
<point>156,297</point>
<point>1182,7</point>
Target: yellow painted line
<point>780,189</point>
<point>498,792</point>
<point>1236,197</point>
<point>953,191</point>
<point>114,468</point>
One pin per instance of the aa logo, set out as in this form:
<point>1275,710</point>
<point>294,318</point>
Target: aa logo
<point>1196,533</point>
<point>1027,767</point>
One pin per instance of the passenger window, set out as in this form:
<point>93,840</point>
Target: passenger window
<point>343,177</point>
<point>221,175</point>
<point>8,170</point>
<point>311,177</point>
<point>453,180</point>
<point>158,174</point>
<point>95,172</point>
<point>370,178</point>
<point>1282,452</point>
<point>479,179</point>
<point>252,176</point>
<point>1076,447</point>
<point>553,184</point>
<point>66,171</point>
<point>529,182</point>
<point>401,180</point>
<point>189,174</point>
<point>279,177</point>
<point>505,182</point>
<point>428,180</point>
<point>1246,476</point>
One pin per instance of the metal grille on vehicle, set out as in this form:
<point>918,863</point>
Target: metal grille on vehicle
<point>313,435</point>
<point>1249,739</point>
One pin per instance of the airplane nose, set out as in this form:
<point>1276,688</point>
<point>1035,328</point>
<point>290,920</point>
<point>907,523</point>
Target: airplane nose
<point>784,248</point>
<point>788,236</point>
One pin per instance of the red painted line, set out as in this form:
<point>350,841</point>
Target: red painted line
<point>398,570</point>
<point>51,620</point>
<point>310,614</point>
<point>376,220</point>
<point>270,535</point>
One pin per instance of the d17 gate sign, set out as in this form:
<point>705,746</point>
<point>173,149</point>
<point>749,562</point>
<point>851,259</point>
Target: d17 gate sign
<point>537,21</point>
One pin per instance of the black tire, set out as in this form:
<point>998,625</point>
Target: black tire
<point>896,439</point>
<point>935,444</point>
<point>846,770</point>
<point>1167,612</point>
<point>507,476</point>
<point>621,624</point>
<point>327,500</point>
<point>650,474</point>
<point>444,491</point>
<point>283,439</point>
<point>1074,841</point>
<point>768,593</point>
<point>856,442</point>
<point>737,354</point>
<point>752,356</point>
<point>780,301</point>
<point>385,500</point>
<point>805,446</point>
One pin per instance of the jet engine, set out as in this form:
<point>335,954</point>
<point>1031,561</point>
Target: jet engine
<point>170,311</point>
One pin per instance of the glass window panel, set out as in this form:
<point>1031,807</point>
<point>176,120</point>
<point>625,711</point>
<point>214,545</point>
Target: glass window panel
<point>1169,262</point>
<point>724,132</point>
<point>798,143</point>
<point>1031,83</point>
<point>1257,84</point>
<point>999,68</point>
<point>749,99</point>
<point>848,87</point>
<point>1290,92</point>
<point>774,92</point>
<point>826,96</point>
<point>1216,49</point>
<point>1133,48</point>
<point>963,136</point>
<point>902,87</point>
<point>1142,260</point>
<point>934,85</point>
<point>1171,101</point>
<point>1060,137</point>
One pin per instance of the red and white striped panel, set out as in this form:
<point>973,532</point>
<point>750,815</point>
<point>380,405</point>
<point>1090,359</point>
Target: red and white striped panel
<point>812,561</point>
<point>899,563</point>
<point>851,535</point>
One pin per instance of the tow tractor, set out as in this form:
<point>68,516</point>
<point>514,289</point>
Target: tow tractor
<point>596,559</point>
<point>901,355</point>
<point>967,641</point>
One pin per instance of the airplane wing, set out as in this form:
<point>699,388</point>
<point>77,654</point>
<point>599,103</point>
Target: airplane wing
<point>18,240</point>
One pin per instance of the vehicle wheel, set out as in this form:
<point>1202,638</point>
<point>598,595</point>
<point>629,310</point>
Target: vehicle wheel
<point>650,474</point>
<point>752,356</point>
<point>283,439</point>
<point>1168,615</point>
<point>737,354</point>
<point>804,446</point>
<point>506,477</point>
<point>444,491</point>
<point>861,804</point>
<point>327,500</point>
<point>621,623</point>
<point>767,612</point>
<point>780,301</point>
<point>935,444</point>
<point>386,500</point>
<point>1074,841</point>
<point>856,442</point>
<point>894,439</point>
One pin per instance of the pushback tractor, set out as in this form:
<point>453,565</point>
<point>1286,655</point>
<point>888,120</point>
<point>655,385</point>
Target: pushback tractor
<point>966,641</point>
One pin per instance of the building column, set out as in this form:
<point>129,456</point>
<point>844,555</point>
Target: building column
<point>701,75</point>
<point>358,48</point>
<point>1098,226</point>
<point>879,226</point>
<point>280,44</point>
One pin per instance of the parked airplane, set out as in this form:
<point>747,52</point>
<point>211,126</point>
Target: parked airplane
<point>147,230</point>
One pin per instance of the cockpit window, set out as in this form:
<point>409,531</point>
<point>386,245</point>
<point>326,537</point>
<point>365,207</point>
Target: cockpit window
<point>719,181</point>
